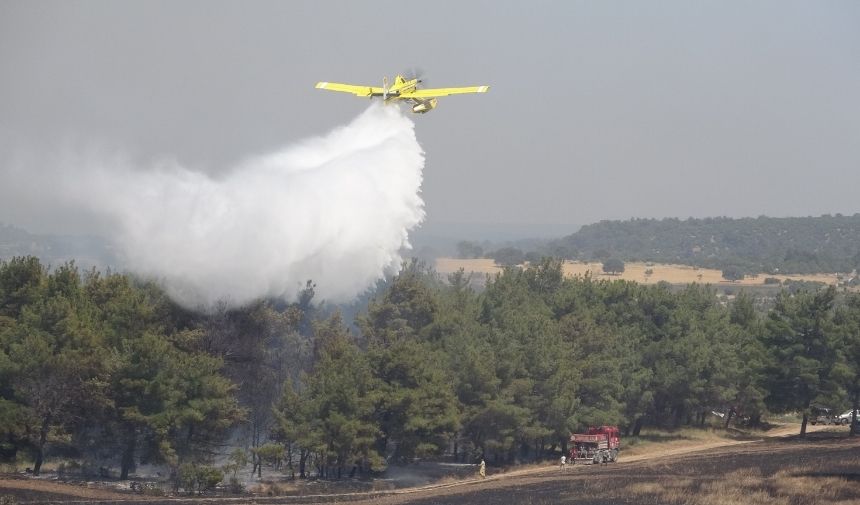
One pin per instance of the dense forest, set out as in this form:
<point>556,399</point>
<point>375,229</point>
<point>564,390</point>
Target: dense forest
<point>765,244</point>
<point>104,370</point>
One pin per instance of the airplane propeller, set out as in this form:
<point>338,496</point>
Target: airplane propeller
<point>414,73</point>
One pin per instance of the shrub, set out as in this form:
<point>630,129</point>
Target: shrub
<point>508,256</point>
<point>194,478</point>
<point>732,273</point>
<point>613,266</point>
<point>238,460</point>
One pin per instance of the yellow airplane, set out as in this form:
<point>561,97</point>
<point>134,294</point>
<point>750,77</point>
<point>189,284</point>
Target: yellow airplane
<point>422,100</point>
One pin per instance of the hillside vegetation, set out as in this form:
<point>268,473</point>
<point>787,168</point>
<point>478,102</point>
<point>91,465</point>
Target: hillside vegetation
<point>104,369</point>
<point>796,245</point>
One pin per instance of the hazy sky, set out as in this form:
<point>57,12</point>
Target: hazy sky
<point>597,110</point>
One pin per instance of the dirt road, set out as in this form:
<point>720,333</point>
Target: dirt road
<point>695,463</point>
<point>777,464</point>
<point>27,490</point>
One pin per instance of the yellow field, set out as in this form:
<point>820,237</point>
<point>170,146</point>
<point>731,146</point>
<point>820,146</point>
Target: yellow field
<point>673,274</point>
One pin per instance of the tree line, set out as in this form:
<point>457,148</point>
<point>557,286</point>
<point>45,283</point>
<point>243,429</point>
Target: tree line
<point>104,369</point>
<point>798,245</point>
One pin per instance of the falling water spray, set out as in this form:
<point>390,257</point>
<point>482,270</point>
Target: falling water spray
<point>336,209</point>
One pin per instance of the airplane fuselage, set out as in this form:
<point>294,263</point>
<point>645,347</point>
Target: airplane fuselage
<point>392,94</point>
<point>399,86</point>
<point>421,100</point>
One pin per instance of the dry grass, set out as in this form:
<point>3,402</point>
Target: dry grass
<point>635,271</point>
<point>750,486</point>
<point>677,439</point>
<point>795,482</point>
<point>641,488</point>
<point>453,479</point>
<point>274,489</point>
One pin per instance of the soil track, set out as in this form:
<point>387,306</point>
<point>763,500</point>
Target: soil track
<point>823,454</point>
<point>37,490</point>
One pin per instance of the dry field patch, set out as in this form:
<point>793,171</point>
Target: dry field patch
<point>635,271</point>
<point>786,487</point>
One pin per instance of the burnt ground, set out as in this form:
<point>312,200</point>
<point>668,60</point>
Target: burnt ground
<point>823,458</point>
<point>822,455</point>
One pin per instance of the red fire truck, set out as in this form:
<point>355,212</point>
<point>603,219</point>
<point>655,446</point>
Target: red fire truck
<point>597,445</point>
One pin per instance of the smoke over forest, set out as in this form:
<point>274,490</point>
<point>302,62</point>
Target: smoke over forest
<point>336,209</point>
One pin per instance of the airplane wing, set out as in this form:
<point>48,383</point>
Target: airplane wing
<point>350,88</point>
<point>433,93</point>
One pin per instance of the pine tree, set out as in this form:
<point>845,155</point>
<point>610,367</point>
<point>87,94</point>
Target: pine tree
<point>339,403</point>
<point>805,348</point>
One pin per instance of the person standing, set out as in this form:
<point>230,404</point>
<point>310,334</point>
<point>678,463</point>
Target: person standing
<point>563,463</point>
<point>482,469</point>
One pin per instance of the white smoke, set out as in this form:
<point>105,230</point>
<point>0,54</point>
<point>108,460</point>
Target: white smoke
<point>336,209</point>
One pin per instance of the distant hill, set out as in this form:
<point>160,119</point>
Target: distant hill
<point>86,251</point>
<point>764,244</point>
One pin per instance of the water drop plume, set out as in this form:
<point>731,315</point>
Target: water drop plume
<point>336,209</point>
